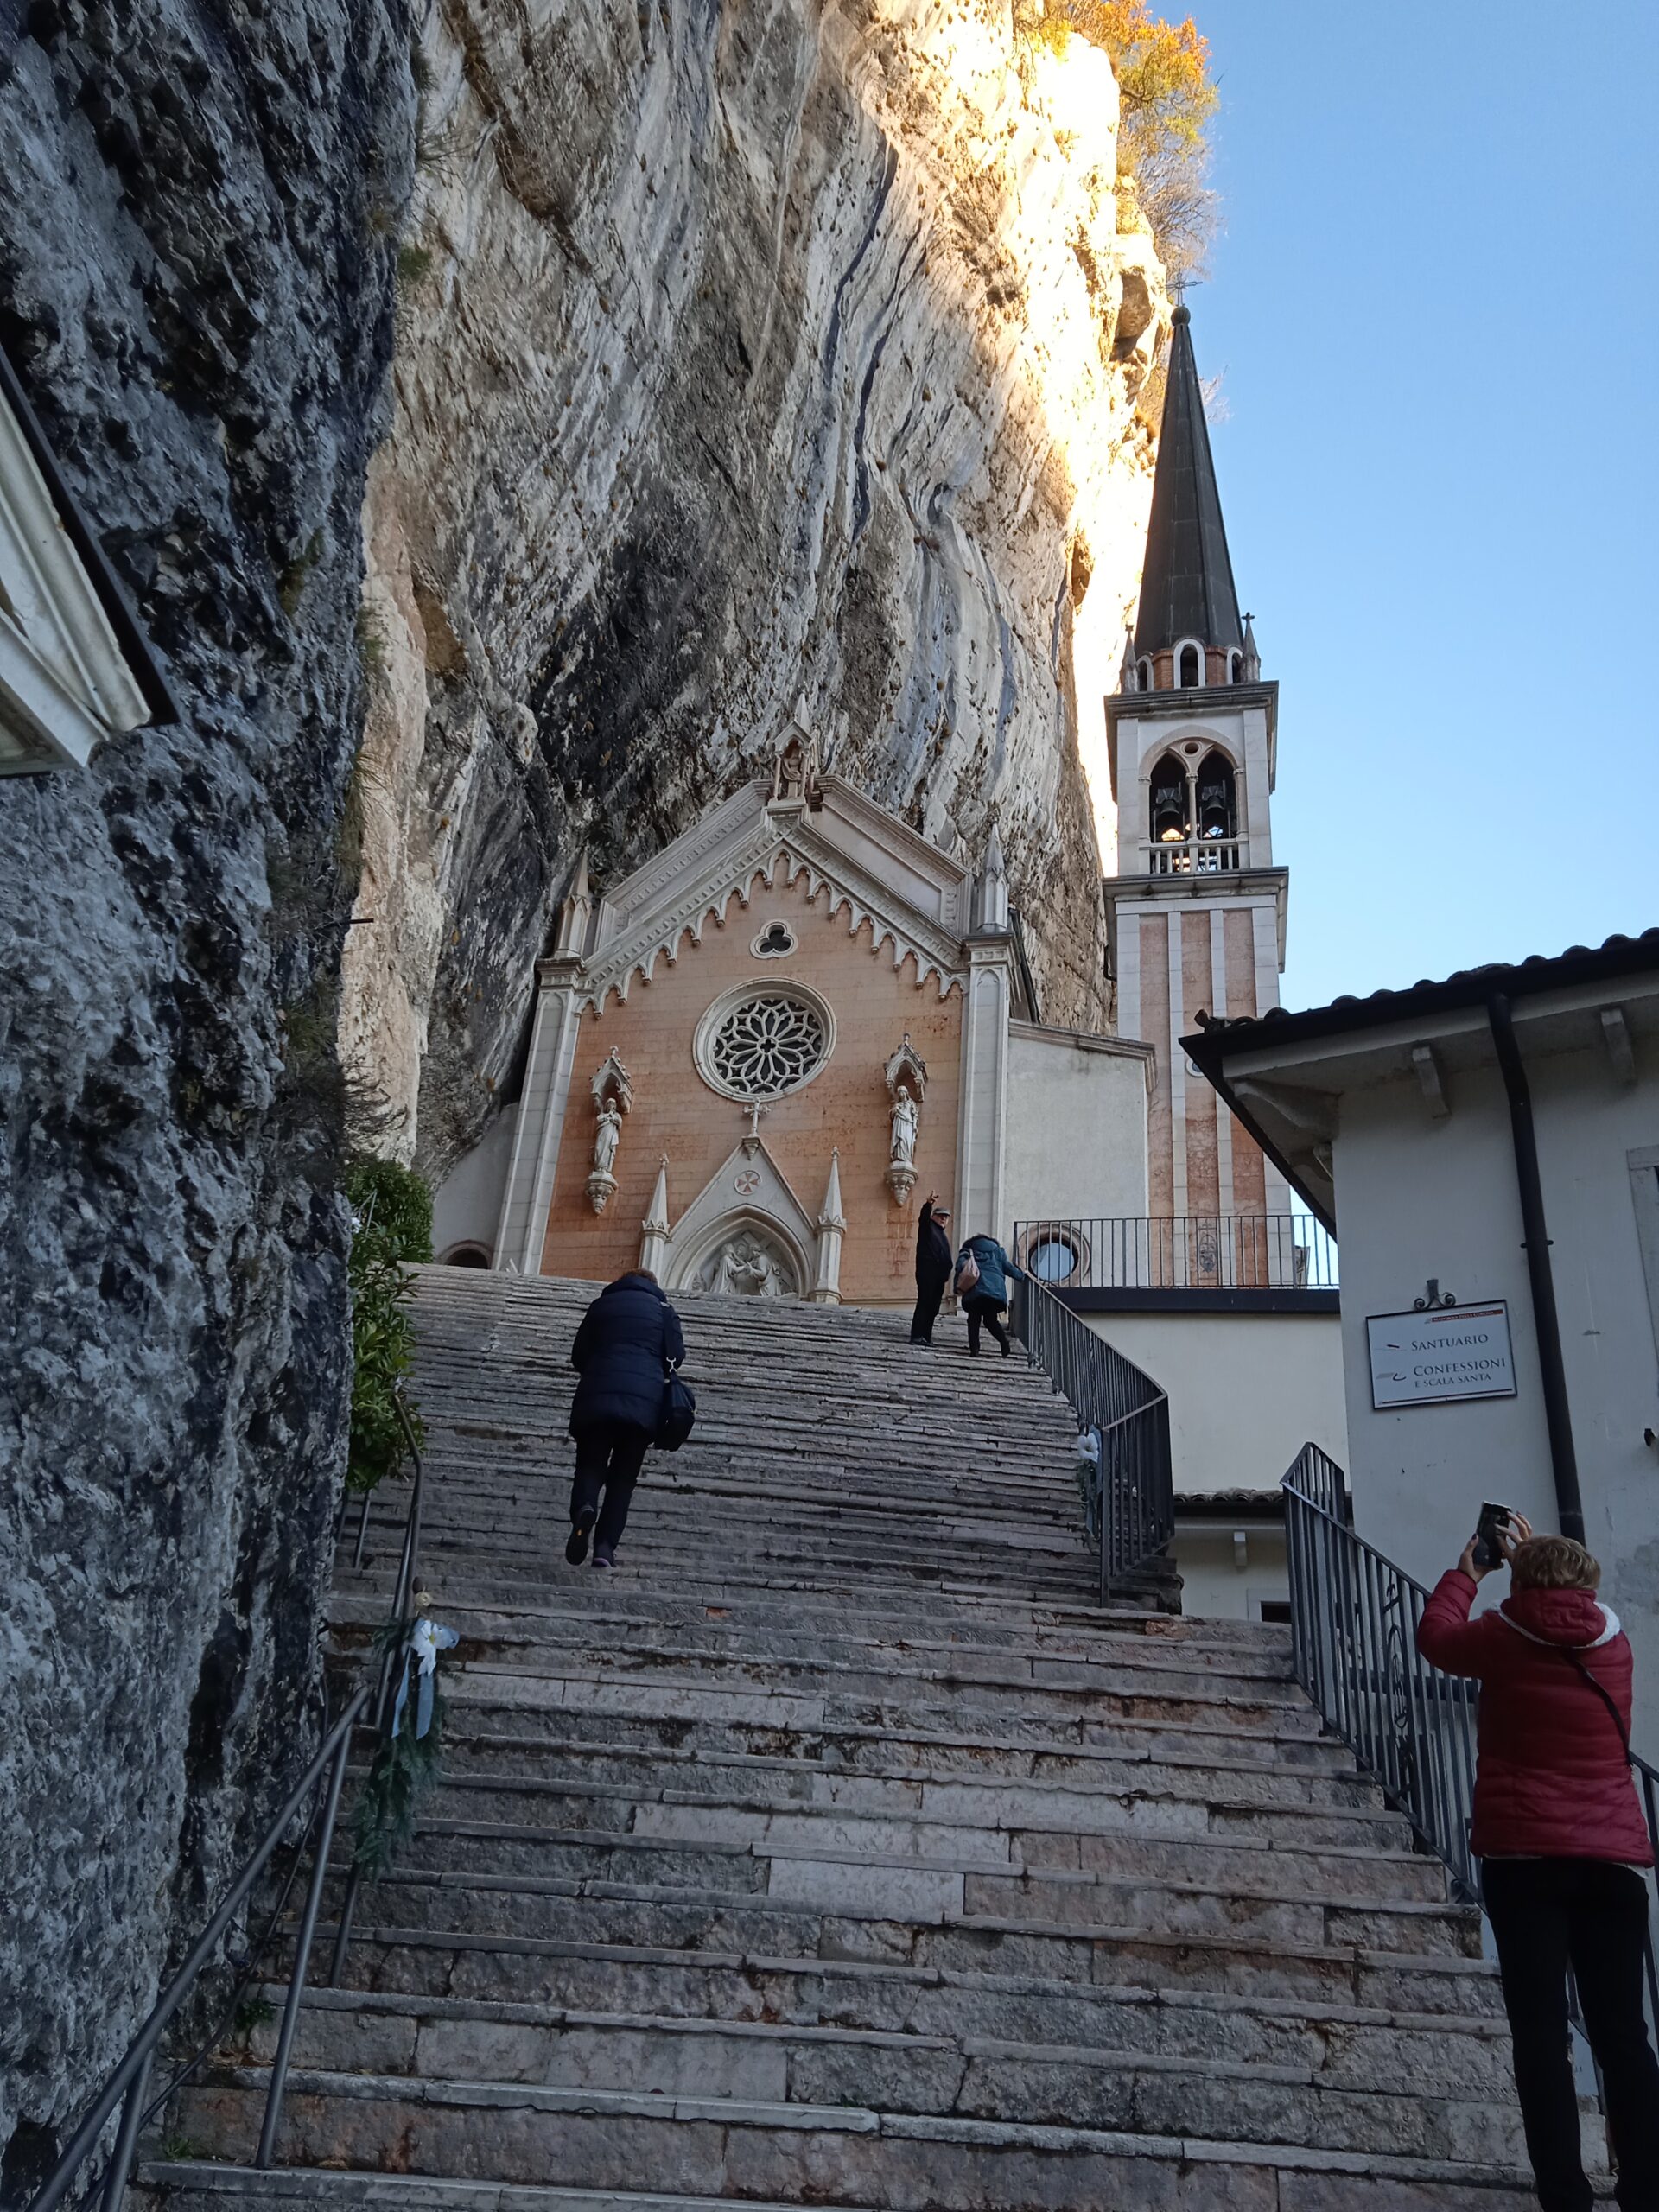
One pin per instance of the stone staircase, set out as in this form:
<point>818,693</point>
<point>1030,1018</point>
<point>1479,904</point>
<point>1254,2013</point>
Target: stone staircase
<point>837,1851</point>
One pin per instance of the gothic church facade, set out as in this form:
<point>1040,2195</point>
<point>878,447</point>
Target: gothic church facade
<point>753,1059</point>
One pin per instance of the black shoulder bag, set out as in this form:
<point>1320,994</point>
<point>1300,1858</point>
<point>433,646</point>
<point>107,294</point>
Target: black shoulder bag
<point>678,1411</point>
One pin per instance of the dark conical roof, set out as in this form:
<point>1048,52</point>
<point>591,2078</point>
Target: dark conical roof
<point>1186,588</point>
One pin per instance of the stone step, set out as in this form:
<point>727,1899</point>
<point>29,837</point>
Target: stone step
<point>1046,1682</point>
<point>688,1697</point>
<point>1034,1821</point>
<point>480,1883</point>
<point>836,1639</point>
<point>689,1959</point>
<point>869,1612</point>
<point>920,2062</point>
<point>1146,2176</point>
<point>1355,2045</point>
<point>891,1868</point>
<point>1068,1756</point>
<point>878,1617</point>
<point>1048,1790</point>
<point>801,2151</point>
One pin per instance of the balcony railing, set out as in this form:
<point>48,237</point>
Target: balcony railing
<point>1195,857</point>
<point>1229,1251</point>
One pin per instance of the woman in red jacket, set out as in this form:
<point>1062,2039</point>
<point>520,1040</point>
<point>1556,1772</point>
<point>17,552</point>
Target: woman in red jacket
<point>1562,1844</point>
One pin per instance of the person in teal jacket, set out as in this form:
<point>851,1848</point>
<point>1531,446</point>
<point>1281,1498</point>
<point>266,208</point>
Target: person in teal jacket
<point>984,1303</point>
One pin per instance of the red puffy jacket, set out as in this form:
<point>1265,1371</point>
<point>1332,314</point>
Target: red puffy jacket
<point>1552,1781</point>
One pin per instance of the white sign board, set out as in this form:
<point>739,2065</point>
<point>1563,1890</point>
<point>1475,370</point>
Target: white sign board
<point>1437,1356</point>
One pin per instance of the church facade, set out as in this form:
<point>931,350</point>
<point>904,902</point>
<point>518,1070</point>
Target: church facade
<point>753,1060</point>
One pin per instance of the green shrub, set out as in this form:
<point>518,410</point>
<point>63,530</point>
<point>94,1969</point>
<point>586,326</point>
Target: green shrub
<point>398,1204</point>
<point>392,1228</point>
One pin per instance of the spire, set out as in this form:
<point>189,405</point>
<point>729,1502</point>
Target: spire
<point>1186,588</point>
<point>1252,658</point>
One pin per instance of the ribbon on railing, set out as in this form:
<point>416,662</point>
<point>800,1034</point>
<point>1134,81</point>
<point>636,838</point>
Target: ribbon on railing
<point>420,1649</point>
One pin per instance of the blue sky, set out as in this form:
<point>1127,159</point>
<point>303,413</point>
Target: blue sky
<point>1432,304</point>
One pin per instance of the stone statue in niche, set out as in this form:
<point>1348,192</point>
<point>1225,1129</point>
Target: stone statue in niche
<point>905,1075</point>
<point>795,777</point>
<point>607,1137</point>
<point>746,1266</point>
<point>613,1097</point>
<point>902,1150</point>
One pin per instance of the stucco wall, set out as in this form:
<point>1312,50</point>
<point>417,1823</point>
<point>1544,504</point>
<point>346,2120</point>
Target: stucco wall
<point>1246,1390</point>
<point>468,1205</point>
<point>1214,1586</point>
<point>1077,1126</point>
<point>1420,1197</point>
<point>676,1113</point>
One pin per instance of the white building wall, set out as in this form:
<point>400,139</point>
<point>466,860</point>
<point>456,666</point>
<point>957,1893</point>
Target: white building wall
<point>1246,1390</point>
<point>1075,1142</point>
<point>1217,1582</point>
<point>1420,1196</point>
<point>467,1204</point>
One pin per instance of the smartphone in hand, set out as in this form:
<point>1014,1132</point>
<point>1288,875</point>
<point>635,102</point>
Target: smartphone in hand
<point>1488,1551</point>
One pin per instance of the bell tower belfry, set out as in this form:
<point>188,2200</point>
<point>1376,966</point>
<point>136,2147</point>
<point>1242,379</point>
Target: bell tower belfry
<point>1196,908</point>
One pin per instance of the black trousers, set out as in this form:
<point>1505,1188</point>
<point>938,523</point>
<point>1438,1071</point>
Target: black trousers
<point>930,1296</point>
<point>990,1311</point>
<point>1548,1914</point>
<point>608,1458</point>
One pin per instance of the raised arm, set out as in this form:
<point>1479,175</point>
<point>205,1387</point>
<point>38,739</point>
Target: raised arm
<point>1446,1636</point>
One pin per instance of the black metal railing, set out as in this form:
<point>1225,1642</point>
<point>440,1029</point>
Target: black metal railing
<point>311,1811</point>
<point>1124,1418</point>
<point>1215,1251</point>
<point>1354,1619</point>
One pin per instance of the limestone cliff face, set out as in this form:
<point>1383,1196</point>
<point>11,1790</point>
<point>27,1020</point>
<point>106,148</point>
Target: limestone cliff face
<point>196,246</point>
<point>745,355</point>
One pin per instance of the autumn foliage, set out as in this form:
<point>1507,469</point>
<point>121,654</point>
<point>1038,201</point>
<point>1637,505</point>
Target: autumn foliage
<point>1167,97</point>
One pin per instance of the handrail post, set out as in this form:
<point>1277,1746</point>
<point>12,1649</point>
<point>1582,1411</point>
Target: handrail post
<point>302,1958</point>
<point>126,2140</point>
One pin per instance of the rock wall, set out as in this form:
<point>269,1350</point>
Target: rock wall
<point>196,288</point>
<point>745,355</point>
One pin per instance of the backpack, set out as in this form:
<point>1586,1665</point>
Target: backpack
<point>967,1274</point>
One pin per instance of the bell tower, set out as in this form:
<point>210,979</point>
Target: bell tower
<point>1197,907</point>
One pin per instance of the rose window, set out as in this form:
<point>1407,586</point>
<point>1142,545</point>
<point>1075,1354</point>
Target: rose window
<point>766,1045</point>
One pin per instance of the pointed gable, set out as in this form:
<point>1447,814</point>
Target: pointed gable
<point>874,869</point>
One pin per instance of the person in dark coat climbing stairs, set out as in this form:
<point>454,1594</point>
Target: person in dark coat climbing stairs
<point>932,1270</point>
<point>629,1338</point>
<point>983,1289</point>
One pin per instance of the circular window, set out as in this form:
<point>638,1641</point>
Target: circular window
<point>775,941</point>
<point>759,1044</point>
<point>1055,1254</point>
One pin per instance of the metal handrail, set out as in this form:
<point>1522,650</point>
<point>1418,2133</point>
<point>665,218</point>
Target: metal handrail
<point>128,2085</point>
<point>1129,1499</point>
<point>1187,1251</point>
<point>1354,1617</point>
